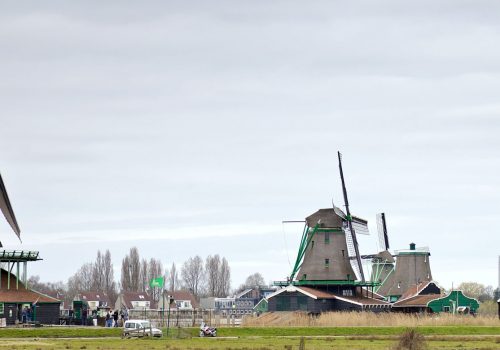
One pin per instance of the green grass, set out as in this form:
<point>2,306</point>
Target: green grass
<point>59,332</point>
<point>248,343</point>
<point>247,338</point>
<point>243,332</point>
<point>348,331</point>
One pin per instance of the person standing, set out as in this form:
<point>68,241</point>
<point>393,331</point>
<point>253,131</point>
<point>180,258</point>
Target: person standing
<point>115,318</point>
<point>24,314</point>
<point>108,319</point>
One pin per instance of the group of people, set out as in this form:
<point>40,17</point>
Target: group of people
<point>115,319</point>
<point>26,314</point>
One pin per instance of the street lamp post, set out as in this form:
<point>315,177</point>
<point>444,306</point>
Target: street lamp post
<point>168,317</point>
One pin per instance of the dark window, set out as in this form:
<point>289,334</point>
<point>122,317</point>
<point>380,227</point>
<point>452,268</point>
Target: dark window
<point>302,303</point>
<point>327,237</point>
<point>312,244</point>
<point>343,253</point>
<point>304,277</point>
<point>327,262</point>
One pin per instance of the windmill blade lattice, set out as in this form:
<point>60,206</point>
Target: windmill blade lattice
<point>360,226</point>
<point>352,253</point>
<point>383,237</point>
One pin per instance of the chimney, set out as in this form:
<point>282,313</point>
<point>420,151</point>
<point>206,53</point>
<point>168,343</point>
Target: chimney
<point>412,246</point>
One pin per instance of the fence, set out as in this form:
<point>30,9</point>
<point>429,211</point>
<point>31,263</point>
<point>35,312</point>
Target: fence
<point>183,318</point>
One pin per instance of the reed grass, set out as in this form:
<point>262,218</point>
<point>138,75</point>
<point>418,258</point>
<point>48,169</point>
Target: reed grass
<point>366,319</point>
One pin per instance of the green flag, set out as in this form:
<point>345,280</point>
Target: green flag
<point>156,282</point>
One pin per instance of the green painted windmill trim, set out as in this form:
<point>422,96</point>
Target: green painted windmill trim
<point>304,242</point>
<point>334,282</point>
<point>386,277</point>
<point>378,271</point>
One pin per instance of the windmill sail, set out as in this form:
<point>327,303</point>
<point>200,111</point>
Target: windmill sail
<point>352,253</point>
<point>7,210</point>
<point>383,238</point>
<point>352,232</point>
<point>360,226</point>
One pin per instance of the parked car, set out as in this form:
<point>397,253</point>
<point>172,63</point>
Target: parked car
<point>140,328</point>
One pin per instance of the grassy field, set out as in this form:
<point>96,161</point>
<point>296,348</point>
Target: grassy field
<point>250,338</point>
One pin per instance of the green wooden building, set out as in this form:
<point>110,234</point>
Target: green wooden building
<point>454,302</point>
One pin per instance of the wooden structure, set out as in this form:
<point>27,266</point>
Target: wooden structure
<point>314,300</point>
<point>328,274</point>
<point>16,299</point>
<point>454,302</point>
<point>412,268</point>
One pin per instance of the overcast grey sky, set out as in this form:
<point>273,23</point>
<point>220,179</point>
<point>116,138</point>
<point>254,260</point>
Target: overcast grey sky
<point>195,127</point>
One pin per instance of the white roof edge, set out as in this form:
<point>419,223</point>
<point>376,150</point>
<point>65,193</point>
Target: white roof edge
<point>425,286</point>
<point>291,288</point>
<point>348,301</point>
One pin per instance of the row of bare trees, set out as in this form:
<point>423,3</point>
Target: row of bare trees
<point>97,275</point>
<point>212,278</point>
<point>203,277</point>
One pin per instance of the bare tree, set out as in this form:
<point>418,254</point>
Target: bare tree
<point>143,277</point>
<point>131,267</point>
<point>174,282</point>
<point>212,274</point>
<point>192,273</point>
<point>98,272</point>
<point>126,276</point>
<point>109,278</point>
<point>34,283</point>
<point>82,280</point>
<point>224,279</point>
<point>218,276</point>
<point>252,281</point>
<point>155,270</point>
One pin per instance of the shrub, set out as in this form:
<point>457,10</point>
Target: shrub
<point>411,340</point>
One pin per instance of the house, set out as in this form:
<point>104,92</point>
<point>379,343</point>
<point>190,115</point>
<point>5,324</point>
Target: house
<point>427,297</point>
<point>94,299</point>
<point>261,307</point>
<point>134,301</point>
<point>301,298</point>
<point>454,302</point>
<point>416,298</point>
<point>15,297</point>
<point>182,300</point>
<point>412,267</point>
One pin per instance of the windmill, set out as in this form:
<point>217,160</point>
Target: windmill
<point>7,210</point>
<point>383,262</point>
<point>412,268</point>
<point>329,249</point>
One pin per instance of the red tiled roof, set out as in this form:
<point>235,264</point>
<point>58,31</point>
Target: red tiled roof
<point>418,300</point>
<point>318,293</point>
<point>413,290</point>
<point>129,297</point>
<point>21,294</point>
